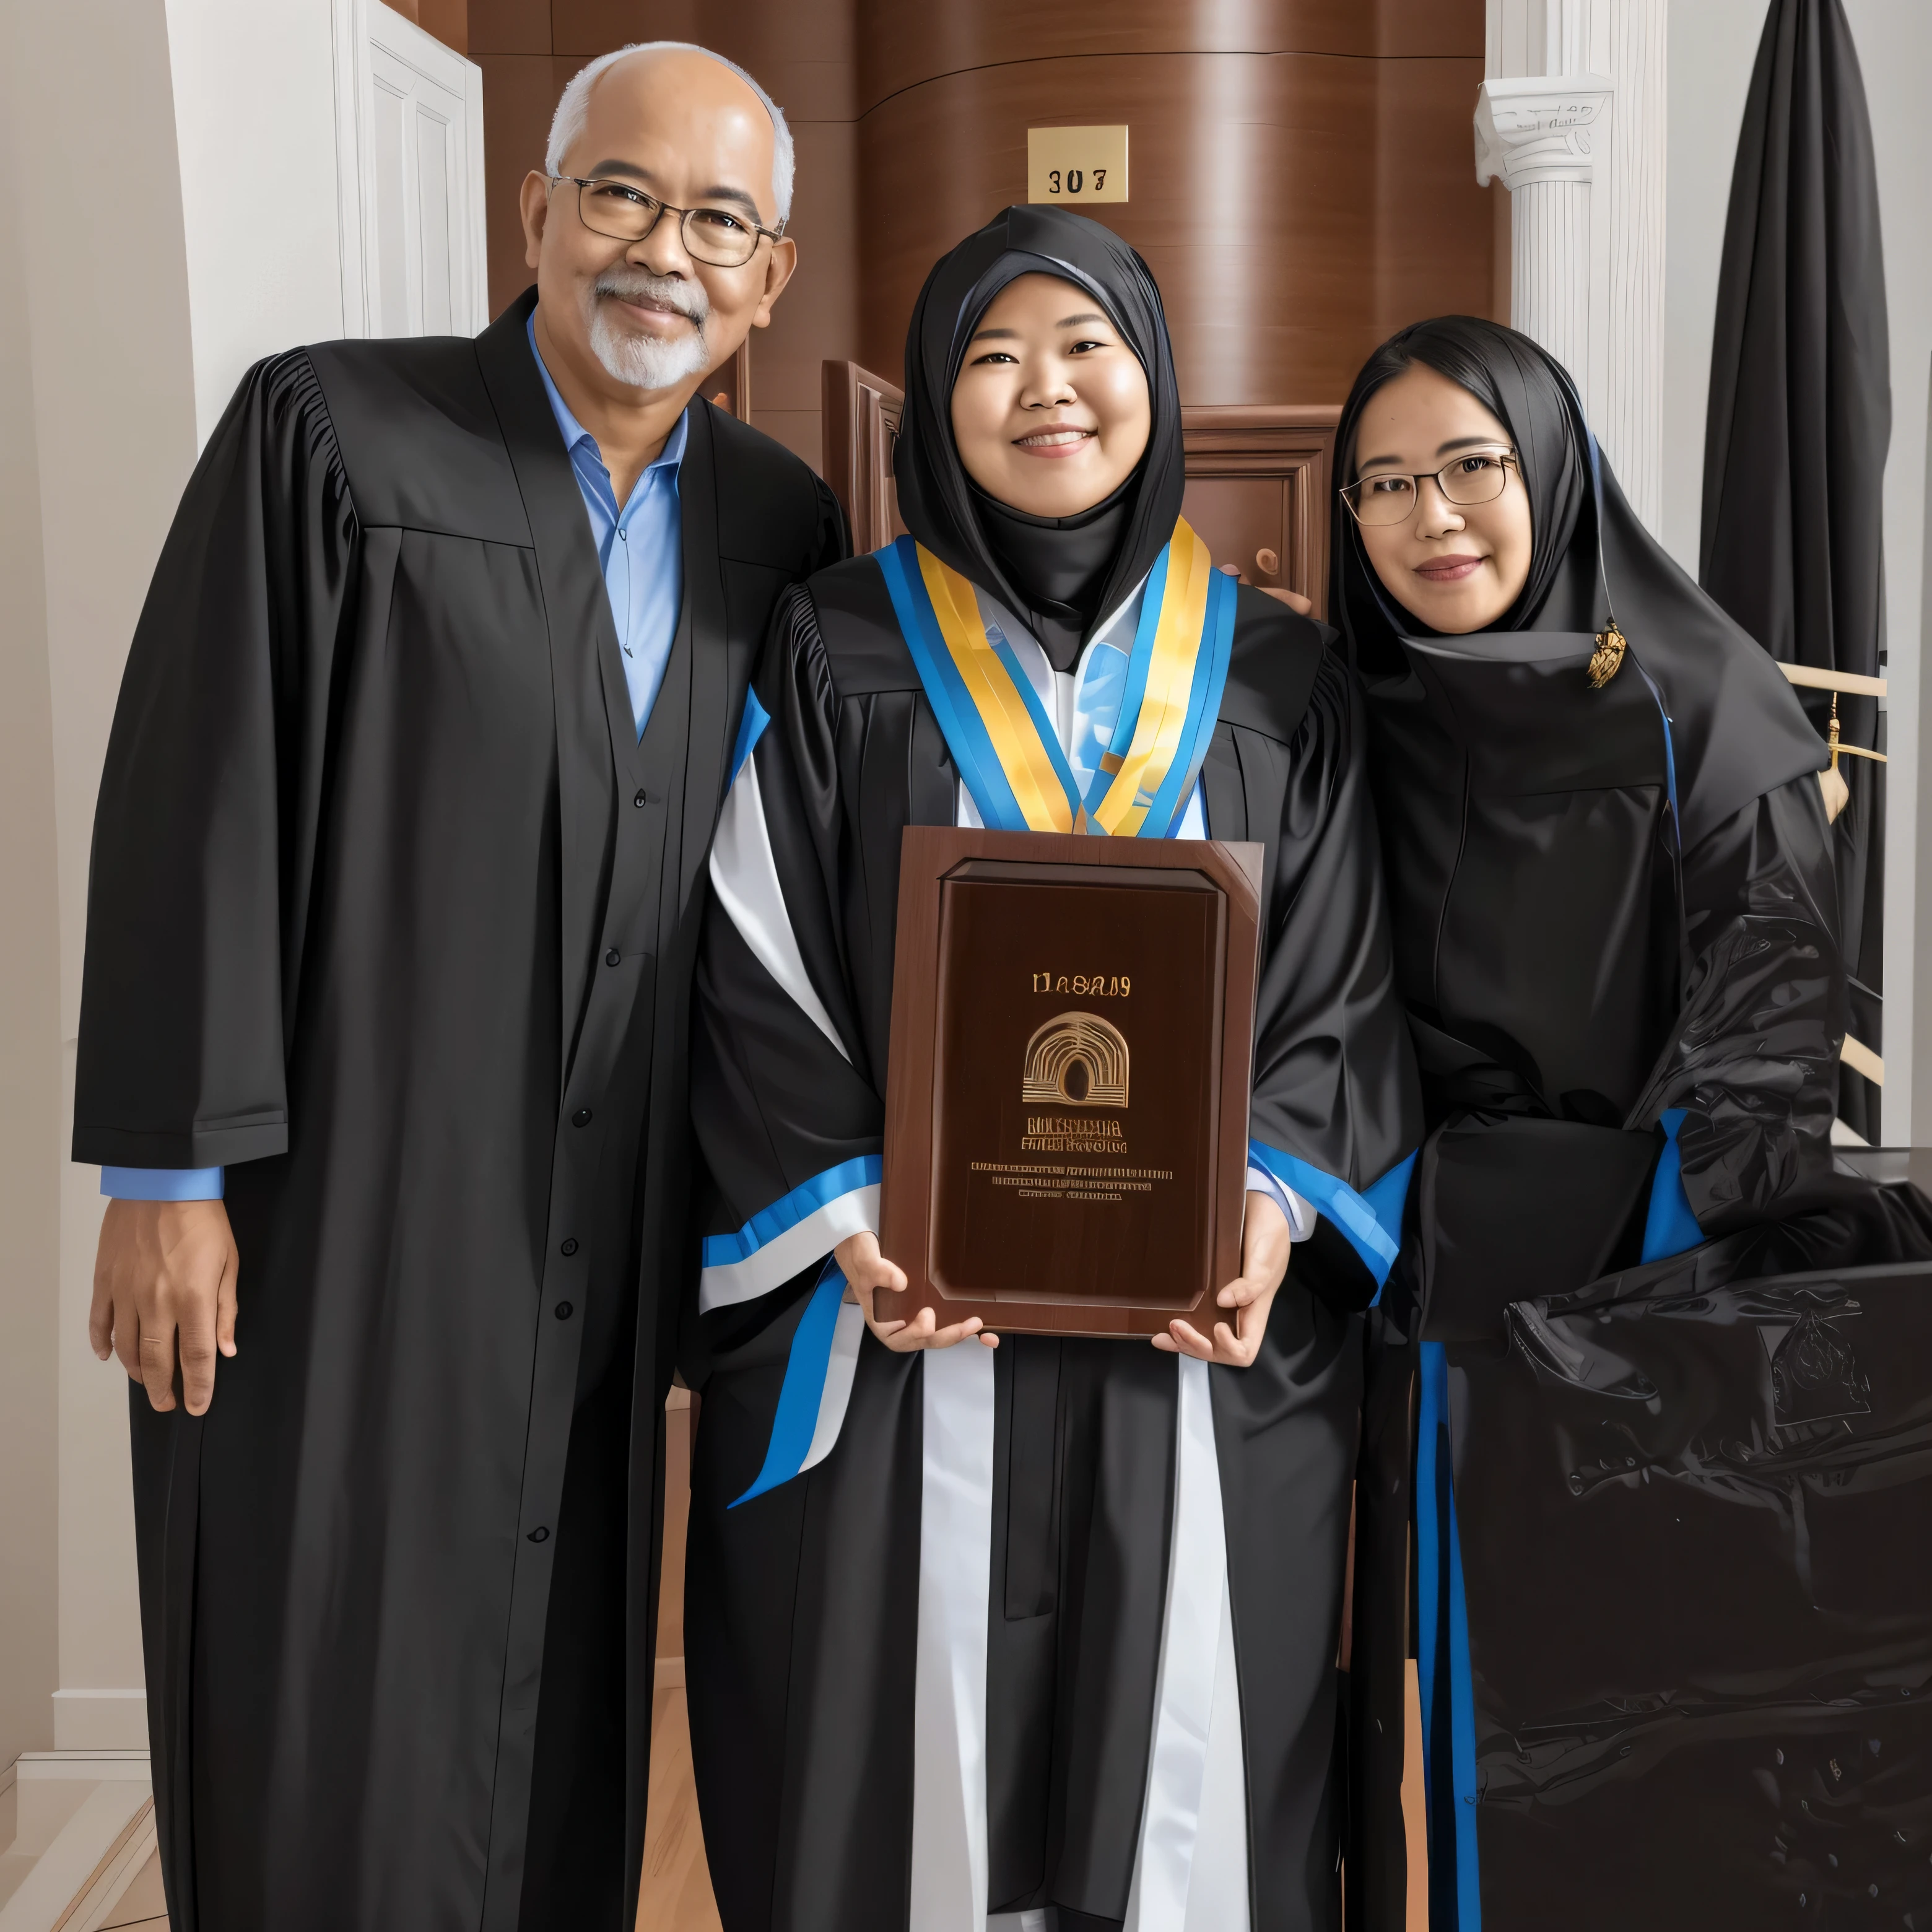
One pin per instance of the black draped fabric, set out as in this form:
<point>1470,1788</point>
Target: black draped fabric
<point>1583,963</point>
<point>392,914</point>
<point>802,1600</point>
<point>1800,421</point>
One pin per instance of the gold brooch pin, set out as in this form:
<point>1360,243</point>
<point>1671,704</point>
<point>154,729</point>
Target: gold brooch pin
<point>1607,658</point>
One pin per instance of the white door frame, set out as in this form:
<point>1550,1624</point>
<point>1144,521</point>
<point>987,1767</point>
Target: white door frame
<point>361,28</point>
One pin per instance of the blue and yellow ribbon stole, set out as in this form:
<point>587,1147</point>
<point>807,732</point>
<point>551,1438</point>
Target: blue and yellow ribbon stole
<point>1009,754</point>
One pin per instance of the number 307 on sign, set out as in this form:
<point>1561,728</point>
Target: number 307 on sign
<point>1076,164</point>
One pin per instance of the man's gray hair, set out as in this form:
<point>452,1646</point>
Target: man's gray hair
<point>573,110</point>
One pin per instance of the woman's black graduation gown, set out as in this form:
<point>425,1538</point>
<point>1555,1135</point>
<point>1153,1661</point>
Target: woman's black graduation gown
<point>1616,943</point>
<point>803,1599</point>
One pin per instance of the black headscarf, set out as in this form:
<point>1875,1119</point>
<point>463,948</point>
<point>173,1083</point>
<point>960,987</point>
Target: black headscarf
<point>1065,573</point>
<point>1705,667</point>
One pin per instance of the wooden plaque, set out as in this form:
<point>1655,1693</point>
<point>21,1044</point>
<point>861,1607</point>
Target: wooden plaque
<point>1067,1108</point>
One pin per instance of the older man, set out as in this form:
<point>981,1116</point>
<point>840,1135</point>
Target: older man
<point>405,815</point>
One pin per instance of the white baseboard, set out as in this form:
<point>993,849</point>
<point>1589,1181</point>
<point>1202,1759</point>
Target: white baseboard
<point>94,1720</point>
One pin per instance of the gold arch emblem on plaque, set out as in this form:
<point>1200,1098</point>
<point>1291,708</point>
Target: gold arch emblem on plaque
<point>1077,1050</point>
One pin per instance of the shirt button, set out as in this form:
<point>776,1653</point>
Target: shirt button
<point>581,1118</point>
<point>639,800</point>
<point>611,958</point>
<point>623,535</point>
<point>539,1534</point>
<point>565,1311</point>
<point>569,1246</point>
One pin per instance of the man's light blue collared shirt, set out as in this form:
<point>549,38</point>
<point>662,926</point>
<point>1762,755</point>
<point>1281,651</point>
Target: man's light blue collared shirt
<point>640,550</point>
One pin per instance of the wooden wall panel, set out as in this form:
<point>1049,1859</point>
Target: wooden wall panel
<point>1436,233</point>
<point>520,93</point>
<point>1268,192</point>
<point>509,27</point>
<point>901,46</point>
<point>1302,175</point>
<point>802,54</point>
<point>449,20</point>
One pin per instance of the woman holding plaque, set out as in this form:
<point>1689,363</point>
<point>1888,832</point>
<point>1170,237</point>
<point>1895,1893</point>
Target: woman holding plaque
<point>1045,1634</point>
<point>1613,901</point>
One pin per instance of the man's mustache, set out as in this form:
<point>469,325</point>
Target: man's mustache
<point>687,299</point>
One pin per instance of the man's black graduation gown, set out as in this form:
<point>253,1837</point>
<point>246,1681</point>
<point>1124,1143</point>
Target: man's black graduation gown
<point>392,915</point>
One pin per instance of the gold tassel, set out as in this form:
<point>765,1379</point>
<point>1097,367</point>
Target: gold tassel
<point>1607,659</point>
<point>1831,781</point>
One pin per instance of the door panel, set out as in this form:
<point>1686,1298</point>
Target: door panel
<point>1258,479</point>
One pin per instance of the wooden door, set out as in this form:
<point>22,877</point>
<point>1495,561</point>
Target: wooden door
<point>1258,480</point>
<point>1259,477</point>
<point>860,424</point>
<point>729,385</point>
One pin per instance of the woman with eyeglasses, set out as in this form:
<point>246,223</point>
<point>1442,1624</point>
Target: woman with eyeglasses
<point>1612,889</point>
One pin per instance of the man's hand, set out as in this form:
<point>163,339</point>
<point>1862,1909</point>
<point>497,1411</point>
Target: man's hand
<point>1293,599</point>
<point>866,1271</point>
<point>164,1287</point>
<point>1265,1247</point>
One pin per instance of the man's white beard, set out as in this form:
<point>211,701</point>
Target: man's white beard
<point>649,361</point>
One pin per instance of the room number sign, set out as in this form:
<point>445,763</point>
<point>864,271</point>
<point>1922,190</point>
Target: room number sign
<point>1076,164</point>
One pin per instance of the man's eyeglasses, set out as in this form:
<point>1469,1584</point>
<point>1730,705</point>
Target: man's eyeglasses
<point>625,213</point>
<point>1387,498</point>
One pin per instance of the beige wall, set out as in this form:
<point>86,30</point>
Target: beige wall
<point>118,353</point>
<point>254,119</point>
<point>108,371</point>
<point>29,1040</point>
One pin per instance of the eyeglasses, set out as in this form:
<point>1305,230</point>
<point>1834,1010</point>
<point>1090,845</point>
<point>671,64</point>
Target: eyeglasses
<point>627,214</point>
<point>1383,498</point>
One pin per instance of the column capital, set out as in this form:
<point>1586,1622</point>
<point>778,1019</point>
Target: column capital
<point>1543,128</point>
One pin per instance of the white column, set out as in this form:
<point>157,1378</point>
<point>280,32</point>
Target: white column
<point>1571,120</point>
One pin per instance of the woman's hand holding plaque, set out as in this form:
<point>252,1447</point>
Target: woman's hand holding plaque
<point>866,1271</point>
<point>1265,1248</point>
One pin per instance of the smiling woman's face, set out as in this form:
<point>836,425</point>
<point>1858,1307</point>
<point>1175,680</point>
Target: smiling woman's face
<point>1050,409</point>
<point>1456,566</point>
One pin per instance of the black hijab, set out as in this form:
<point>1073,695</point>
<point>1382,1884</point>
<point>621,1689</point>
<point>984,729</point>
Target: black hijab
<point>1064,573</point>
<point>1737,729</point>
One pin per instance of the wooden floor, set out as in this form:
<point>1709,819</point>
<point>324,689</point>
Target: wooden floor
<point>141,1907</point>
<point>676,1894</point>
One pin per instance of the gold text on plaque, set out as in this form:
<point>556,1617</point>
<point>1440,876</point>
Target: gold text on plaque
<point>1078,1058</point>
<point>1095,985</point>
